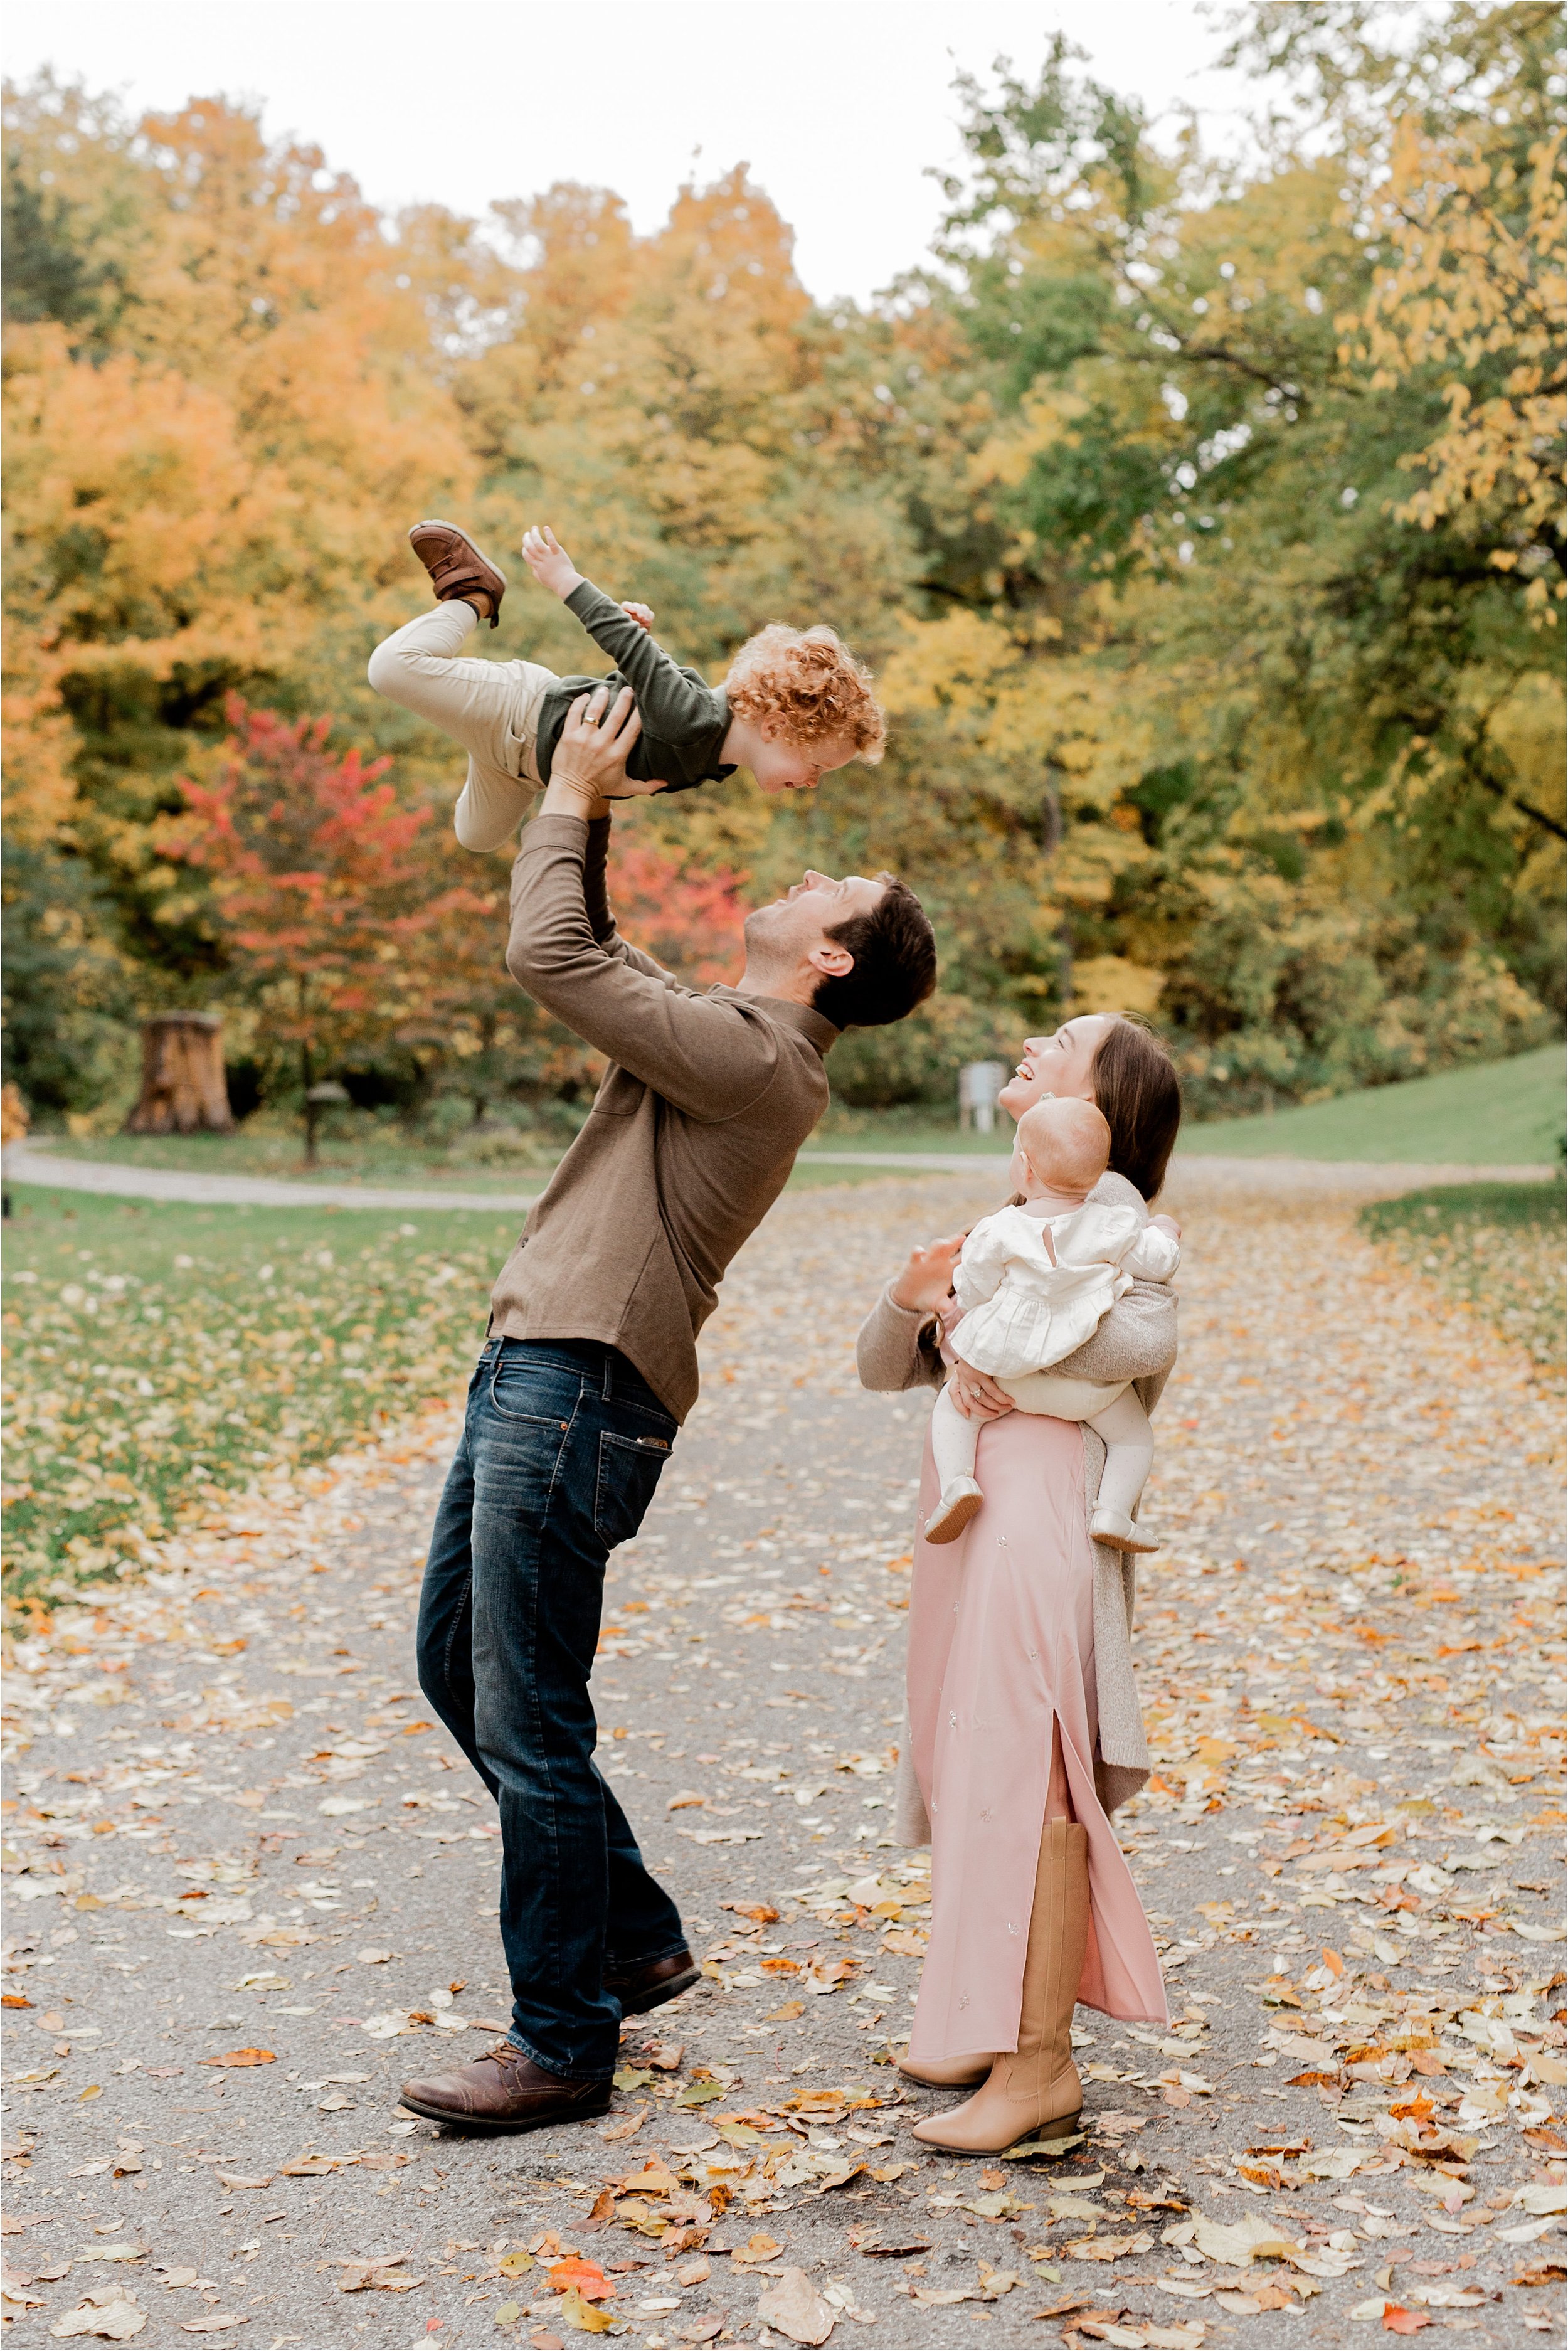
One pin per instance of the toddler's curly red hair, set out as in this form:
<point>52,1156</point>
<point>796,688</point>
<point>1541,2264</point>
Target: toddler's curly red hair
<point>807,687</point>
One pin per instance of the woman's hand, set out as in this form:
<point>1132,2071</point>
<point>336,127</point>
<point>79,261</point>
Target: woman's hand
<point>975,1393</point>
<point>642,613</point>
<point>923,1286</point>
<point>589,770</point>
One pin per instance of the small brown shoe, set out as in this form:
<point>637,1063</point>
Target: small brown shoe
<point>456,567</point>
<point>650,1985</point>
<point>504,2091</point>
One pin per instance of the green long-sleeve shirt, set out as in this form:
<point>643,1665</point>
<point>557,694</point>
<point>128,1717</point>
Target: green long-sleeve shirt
<point>685,719</point>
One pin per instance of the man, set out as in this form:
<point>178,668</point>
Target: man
<point>588,1369</point>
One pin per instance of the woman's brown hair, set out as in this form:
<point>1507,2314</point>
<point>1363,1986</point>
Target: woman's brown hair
<point>1136,1087</point>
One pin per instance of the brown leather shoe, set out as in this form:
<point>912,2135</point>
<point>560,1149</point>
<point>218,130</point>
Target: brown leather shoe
<point>650,1985</point>
<point>504,2091</point>
<point>456,567</point>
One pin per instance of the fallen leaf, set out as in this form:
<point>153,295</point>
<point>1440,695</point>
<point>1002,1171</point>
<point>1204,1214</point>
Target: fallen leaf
<point>791,2009</point>
<point>389,2275</point>
<point>1399,2321</point>
<point>213,2323</point>
<point>111,2316</point>
<point>576,2311</point>
<point>236,2057</point>
<point>756,2250</point>
<point>233,2180</point>
<point>793,2305</point>
<point>1075,2208</point>
<point>1236,2244</point>
<point>699,2093</point>
<point>573,2274</point>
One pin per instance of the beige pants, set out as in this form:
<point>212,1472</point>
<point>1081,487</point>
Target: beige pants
<point>492,708</point>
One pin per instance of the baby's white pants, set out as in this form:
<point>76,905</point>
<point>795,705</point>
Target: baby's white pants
<point>492,708</point>
<point>1122,1424</point>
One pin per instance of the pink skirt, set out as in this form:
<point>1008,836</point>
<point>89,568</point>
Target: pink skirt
<point>1001,1638</point>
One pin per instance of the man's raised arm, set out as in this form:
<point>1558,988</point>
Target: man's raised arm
<point>710,1057</point>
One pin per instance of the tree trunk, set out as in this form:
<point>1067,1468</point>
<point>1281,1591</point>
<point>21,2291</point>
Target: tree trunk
<point>182,1086</point>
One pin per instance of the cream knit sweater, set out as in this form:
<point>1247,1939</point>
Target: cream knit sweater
<point>1136,1342</point>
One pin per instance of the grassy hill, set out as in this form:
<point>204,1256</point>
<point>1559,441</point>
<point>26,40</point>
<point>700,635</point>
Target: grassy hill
<point>1499,1113</point>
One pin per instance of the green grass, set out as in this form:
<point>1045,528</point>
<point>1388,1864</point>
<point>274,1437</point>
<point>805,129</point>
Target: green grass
<point>1498,1114</point>
<point>160,1355</point>
<point>1497,1247</point>
<point>365,1151</point>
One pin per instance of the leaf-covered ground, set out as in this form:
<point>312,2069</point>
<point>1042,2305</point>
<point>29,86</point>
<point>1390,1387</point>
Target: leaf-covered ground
<point>253,1887</point>
<point>160,1355</point>
<point>1497,1247</point>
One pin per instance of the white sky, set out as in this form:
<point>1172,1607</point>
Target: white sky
<point>838,109</point>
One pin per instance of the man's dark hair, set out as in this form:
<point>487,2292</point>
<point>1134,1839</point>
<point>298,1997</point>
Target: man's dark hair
<point>894,951</point>
<point>1136,1087</point>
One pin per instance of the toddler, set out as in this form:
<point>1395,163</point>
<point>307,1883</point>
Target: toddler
<point>1032,1283</point>
<point>795,705</point>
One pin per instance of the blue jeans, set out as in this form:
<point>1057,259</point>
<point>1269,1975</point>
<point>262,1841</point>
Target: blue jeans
<point>562,1446</point>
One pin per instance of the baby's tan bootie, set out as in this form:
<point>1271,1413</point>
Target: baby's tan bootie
<point>954,1508</point>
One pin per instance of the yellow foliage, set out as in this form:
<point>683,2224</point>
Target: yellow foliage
<point>1478,277</point>
<point>1112,984</point>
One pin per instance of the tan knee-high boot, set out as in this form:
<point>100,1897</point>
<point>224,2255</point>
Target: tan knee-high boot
<point>949,2072</point>
<point>1036,2087</point>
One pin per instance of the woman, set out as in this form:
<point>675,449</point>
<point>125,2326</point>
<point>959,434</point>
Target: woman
<point>1024,1725</point>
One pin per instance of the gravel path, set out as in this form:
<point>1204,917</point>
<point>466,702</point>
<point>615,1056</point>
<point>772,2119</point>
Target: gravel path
<point>33,1164</point>
<point>256,1887</point>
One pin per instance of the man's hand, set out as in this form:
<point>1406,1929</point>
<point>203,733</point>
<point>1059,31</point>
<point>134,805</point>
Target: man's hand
<point>589,770</point>
<point>975,1393</point>
<point>642,613</point>
<point>548,561</point>
<point>923,1286</point>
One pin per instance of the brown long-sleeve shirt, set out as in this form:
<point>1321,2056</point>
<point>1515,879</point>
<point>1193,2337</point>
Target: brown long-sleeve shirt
<point>692,1134</point>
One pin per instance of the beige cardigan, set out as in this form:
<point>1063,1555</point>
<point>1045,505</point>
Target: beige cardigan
<point>1136,1342</point>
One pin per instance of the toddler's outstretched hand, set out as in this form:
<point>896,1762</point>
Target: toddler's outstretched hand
<point>548,561</point>
<point>926,1280</point>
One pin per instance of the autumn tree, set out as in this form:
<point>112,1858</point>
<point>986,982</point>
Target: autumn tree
<point>313,890</point>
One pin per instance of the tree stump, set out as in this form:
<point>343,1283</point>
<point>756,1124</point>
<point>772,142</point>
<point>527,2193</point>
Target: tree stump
<point>182,1086</point>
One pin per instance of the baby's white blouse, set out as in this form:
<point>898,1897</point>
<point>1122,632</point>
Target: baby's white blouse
<point>1022,1313</point>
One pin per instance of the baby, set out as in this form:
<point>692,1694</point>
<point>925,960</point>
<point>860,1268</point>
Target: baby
<point>1033,1282</point>
<point>795,705</point>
